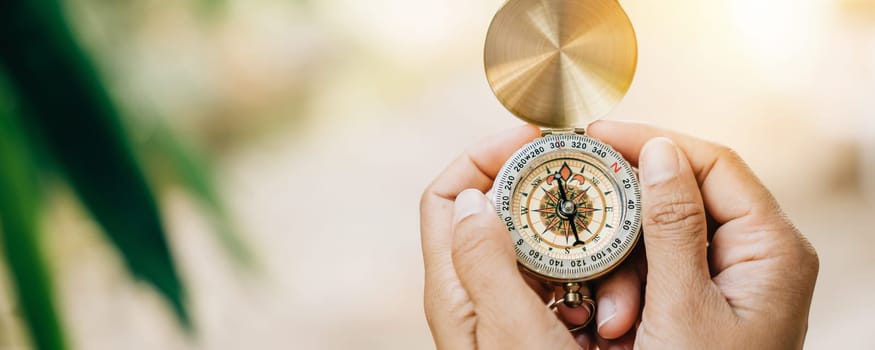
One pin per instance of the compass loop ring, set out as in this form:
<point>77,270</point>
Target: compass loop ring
<point>583,301</point>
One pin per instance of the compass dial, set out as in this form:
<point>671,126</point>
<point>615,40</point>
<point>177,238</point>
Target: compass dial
<point>571,205</point>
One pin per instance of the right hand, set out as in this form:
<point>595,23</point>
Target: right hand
<point>751,287</point>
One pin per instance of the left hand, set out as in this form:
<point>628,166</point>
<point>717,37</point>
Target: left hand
<point>468,255</point>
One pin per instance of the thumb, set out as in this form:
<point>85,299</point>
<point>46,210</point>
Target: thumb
<point>485,263</point>
<point>675,230</point>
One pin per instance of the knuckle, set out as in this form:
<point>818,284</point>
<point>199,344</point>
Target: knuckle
<point>726,152</point>
<point>431,200</point>
<point>808,259</point>
<point>814,259</point>
<point>427,197</point>
<point>795,251</point>
<point>677,215</point>
<point>803,253</point>
<point>727,155</point>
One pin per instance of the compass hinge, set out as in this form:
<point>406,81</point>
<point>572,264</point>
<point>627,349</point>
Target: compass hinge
<point>579,131</point>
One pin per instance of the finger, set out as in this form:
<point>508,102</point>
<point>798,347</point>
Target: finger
<point>745,211</point>
<point>585,340</point>
<point>730,189</point>
<point>474,169</point>
<point>619,302</point>
<point>675,234</point>
<point>486,266</point>
<point>446,302</point>
<point>625,342</point>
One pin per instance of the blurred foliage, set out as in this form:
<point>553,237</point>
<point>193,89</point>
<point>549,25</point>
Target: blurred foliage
<point>65,117</point>
<point>191,168</point>
<point>19,203</point>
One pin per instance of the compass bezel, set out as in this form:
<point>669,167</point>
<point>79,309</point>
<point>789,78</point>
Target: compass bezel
<point>623,180</point>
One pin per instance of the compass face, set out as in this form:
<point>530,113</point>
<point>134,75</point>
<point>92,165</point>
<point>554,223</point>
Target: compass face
<point>571,205</point>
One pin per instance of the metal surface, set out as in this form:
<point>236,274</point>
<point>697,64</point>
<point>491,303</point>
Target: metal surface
<point>559,63</point>
<point>573,299</point>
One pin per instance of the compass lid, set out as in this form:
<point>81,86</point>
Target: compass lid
<point>558,63</point>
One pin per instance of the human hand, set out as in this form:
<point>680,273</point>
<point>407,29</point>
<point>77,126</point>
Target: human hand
<point>752,287</point>
<point>475,296</point>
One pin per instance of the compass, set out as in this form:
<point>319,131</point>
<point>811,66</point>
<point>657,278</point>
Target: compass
<point>570,202</point>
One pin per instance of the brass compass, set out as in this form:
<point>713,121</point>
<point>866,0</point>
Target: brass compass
<point>570,202</point>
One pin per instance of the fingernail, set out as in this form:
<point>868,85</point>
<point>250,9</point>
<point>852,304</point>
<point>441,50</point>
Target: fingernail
<point>468,203</point>
<point>617,347</point>
<point>658,162</point>
<point>606,311</point>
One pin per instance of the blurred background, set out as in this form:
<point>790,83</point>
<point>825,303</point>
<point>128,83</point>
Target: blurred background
<point>289,107</point>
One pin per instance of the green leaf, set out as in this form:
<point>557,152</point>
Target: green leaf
<point>19,197</point>
<point>81,127</point>
<point>194,172</point>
